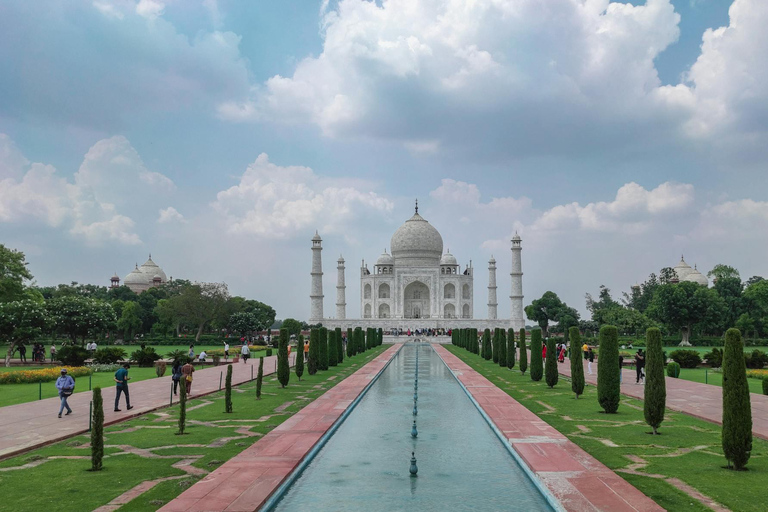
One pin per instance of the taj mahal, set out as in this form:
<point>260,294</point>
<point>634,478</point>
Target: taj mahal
<point>416,285</point>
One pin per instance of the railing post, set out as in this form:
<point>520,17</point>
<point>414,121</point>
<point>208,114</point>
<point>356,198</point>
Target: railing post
<point>171,403</point>
<point>221,375</point>
<point>89,381</point>
<point>90,415</point>
<point>40,395</point>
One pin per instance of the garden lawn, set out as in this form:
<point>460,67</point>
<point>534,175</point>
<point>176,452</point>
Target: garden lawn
<point>708,376</point>
<point>212,438</point>
<point>688,449</point>
<point>234,349</point>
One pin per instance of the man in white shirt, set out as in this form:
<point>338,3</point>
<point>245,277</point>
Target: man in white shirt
<point>202,356</point>
<point>226,351</point>
<point>93,347</point>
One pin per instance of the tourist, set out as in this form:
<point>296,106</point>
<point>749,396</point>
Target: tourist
<point>621,363</point>
<point>245,352</point>
<point>186,371</point>
<point>93,348</point>
<point>590,359</point>
<point>306,348</point>
<point>66,386</point>
<point>191,353</point>
<point>226,350</point>
<point>544,351</point>
<point>122,378</point>
<point>176,375</point>
<point>561,355</point>
<point>23,353</point>
<point>585,349</point>
<point>53,351</point>
<point>639,365</point>
<point>202,356</point>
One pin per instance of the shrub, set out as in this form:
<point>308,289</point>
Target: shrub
<point>523,352</point>
<point>178,356</point>
<point>655,385</point>
<point>260,377</point>
<point>145,357</point>
<point>269,352</point>
<point>322,362</point>
<point>314,351</point>
<point>608,390</point>
<point>537,363</point>
<point>108,355</point>
<point>228,390</point>
<point>299,366</point>
<point>756,360</point>
<point>577,365</point>
<point>765,386</point>
<point>511,348</point>
<point>686,358</point>
<point>550,372</point>
<point>72,355</point>
<point>283,368</point>
<point>737,410</point>
<point>182,408</point>
<point>160,367</point>
<point>502,348</point>
<point>714,358</point>
<point>97,431</point>
<point>673,370</point>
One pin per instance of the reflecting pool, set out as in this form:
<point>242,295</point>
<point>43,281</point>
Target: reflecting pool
<point>462,464</point>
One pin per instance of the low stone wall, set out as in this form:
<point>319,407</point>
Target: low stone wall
<point>387,324</point>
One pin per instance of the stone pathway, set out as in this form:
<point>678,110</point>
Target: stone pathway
<point>703,401</point>
<point>246,481</point>
<point>575,478</point>
<point>34,424</point>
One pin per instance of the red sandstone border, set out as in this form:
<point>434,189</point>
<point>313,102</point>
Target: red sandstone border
<point>246,481</point>
<point>576,479</point>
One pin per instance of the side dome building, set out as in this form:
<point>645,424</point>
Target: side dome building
<point>144,277</point>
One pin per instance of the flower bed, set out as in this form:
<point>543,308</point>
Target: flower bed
<point>757,374</point>
<point>234,350</point>
<point>43,375</point>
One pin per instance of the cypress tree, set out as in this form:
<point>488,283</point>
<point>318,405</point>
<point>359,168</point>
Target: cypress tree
<point>332,347</point>
<point>360,341</point>
<point>737,410</point>
<point>487,353</point>
<point>511,348</point>
<point>381,336</point>
<point>550,370</point>
<point>453,337</point>
<point>350,343</point>
<point>474,336</point>
<point>228,390</point>
<point>523,352</point>
<point>368,338</point>
<point>313,356</point>
<point>183,407</point>
<point>299,366</point>
<point>495,348</point>
<point>356,340</point>
<point>339,346</point>
<point>655,384</point>
<point>322,362</point>
<point>260,377</point>
<point>608,390</point>
<point>577,365</point>
<point>502,348</point>
<point>537,362</point>
<point>283,368</point>
<point>97,430</point>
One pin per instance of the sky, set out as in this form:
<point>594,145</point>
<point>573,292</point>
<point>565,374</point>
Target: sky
<point>219,135</point>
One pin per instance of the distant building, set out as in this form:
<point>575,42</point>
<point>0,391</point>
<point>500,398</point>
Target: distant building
<point>686,273</point>
<point>142,278</point>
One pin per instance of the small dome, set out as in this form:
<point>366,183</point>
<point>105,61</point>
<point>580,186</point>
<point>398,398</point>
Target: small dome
<point>115,277</point>
<point>448,259</point>
<point>492,260</point>
<point>682,269</point>
<point>417,242</point>
<point>385,259</point>
<point>136,277</point>
<point>517,238</point>
<point>150,269</point>
<point>317,238</point>
<point>697,277</point>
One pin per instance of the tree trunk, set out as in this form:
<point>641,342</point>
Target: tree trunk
<point>199,332</point>
<point>9,353</point>
<point>686,334</point>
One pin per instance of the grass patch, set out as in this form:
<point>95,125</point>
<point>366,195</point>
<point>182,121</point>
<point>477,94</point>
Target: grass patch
<point>688,449</point>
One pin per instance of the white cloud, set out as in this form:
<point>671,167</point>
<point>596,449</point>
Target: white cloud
<point>275,201</point>
<point>743,219</point>
<point>170,215</point>
<point>150,9</point>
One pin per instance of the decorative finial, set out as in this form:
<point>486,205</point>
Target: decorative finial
<point>150,255</point>
<point>413,469</point>
<point>417,206</point>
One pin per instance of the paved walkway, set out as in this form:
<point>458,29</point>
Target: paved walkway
<point>703,401</point>
<point>246,481</point>
<point>574,477</point>
<point>34,424</point>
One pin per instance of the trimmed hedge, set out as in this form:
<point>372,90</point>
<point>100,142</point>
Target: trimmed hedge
<point>537,362</point>
<point>283,367</point>
<point>577,366</point>
<point>608,382</point>
<point>510,348</point>
<point>655,402</point>
<point>673,370</point>
<point>314,351</point>
<point>523,352</point>
<point>550,372</point>
<point>737,409</point>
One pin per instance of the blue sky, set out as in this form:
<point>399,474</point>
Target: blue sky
<point>219,135</point>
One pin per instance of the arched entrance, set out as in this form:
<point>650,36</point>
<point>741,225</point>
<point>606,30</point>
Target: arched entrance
<point>449,311</point>
<point>383,310</point>
<point>465,311</point>
<point>416,300</point>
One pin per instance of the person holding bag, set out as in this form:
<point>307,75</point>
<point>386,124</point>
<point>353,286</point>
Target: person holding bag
<point>186,371</point>
<point>66,386</point>
<point>176,375</point>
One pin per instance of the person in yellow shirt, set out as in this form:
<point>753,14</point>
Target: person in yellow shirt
<point>585,349</point>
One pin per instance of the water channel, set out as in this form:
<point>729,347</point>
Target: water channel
<point>462,464</point>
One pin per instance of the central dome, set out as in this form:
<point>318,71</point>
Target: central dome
<point>417,243</point>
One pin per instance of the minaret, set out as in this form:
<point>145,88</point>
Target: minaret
<point>341,291</point>
<point>316,293</point>
<point>517,319</point>
<point>493,303</point>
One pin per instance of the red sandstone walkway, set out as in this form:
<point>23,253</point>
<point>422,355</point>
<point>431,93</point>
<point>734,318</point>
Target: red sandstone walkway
<point>703,401</point>
<point>246,481</point>
<point>574,477</point>
<point>33,424</point>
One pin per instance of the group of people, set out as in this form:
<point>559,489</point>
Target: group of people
<point>38,353</point>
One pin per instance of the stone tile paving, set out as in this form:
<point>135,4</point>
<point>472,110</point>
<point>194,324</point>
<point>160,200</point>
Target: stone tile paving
<point>35,424</point>
<point>574,477</point>
<point>246,481</point>
<point>704,401</point>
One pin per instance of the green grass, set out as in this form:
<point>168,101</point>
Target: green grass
<point>161,349</point>
<point>708,376</point>
<point>688,449</point>
<point>61,484</point>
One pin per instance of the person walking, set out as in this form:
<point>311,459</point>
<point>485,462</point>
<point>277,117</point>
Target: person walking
<point>621,363</point>
<point>561,355</point>
<point>186,372</point>
<point>176,375</point>
<point>639,365</point>
<point>23,353</point>
<point>585,349</point>
<point>245,352</point>
<point>122,378</point>
<point>66,386</point>
<point>590,360</point>
<point>226,350</point>
<point>53,351</point>
<point>191,353</point>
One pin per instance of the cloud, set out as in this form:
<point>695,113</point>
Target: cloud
<point>740,219</point>
<point>275,201</point>
<point>170,215</point>
<point>150,9</point>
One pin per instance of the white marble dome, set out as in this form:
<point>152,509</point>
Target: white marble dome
<point>417,243</point>
<point>682,269</point>
<point>136,277</point>
<point>448,259</point>
<point>150,270</point>
<point>697,277</point>
<point>385,259</point>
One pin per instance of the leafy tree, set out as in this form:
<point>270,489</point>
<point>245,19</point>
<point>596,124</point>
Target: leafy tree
<point>78,317</point>
<point>752,280</point>
<point>313,356</point>
<point>608,391</point>
<point>721,271</point>
<point>130,320</point>
<point>13,274</point>
<point>122,293</point>
<point>523,352</point>
<point>737,410</point>
<point>299,366</point>
<point>21,322</point>
<point>550,372</point>
<point>97,431</point>
<point>667,275</point>
<point>511,348</point>
<point>199,304</point>
<point>629,321</point>
<point>537,362</point>
<point>655,385</point>
<point>599,307</point>
<point>577,366</point>
<point>323,344</point>
<point>244,323</point>
<point>283,368</point>
<point>260,378</point>
<point>681,306</point>
<point>730,289</point>
<point>549,308</point>
<point>228,390</point>
<point>293,326</point>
